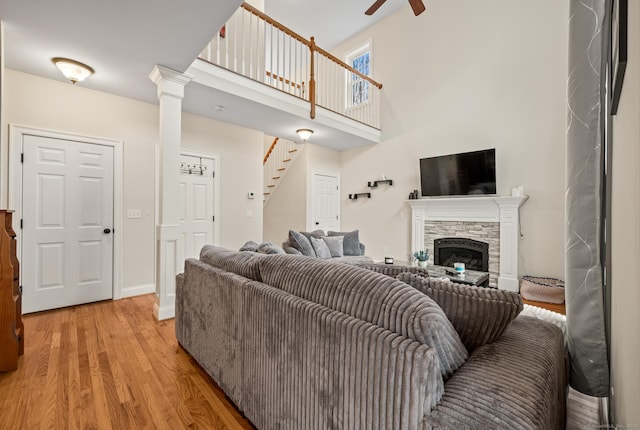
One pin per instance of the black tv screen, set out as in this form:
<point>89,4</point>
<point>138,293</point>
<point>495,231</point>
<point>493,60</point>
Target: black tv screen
<point>468,173</point>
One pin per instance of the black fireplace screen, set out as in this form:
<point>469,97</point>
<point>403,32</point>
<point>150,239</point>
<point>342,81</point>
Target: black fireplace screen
<point>473,253</point>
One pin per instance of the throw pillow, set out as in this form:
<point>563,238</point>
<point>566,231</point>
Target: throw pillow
<point>321,248</point>
<point>270,248</point>
<point>301,243</point>
<point>351,244</point>
<point>335,245</point>
<point>316,233</point>
<point>479,315</point>
<point>249,246</point>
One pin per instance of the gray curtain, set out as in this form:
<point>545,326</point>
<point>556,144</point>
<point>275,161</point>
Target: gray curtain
<point>584,187</point>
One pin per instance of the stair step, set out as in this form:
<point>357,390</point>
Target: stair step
<point>270,186</point>
<point>287,160</point>
<point>293,150</point>
<point>266,194</point>
<point>276,177</point>
<point>281,169</point>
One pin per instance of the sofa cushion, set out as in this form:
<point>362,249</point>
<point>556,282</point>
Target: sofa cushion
<point>479,315</point>
<point>321,248</point>
<point>370,296</point>
<point>351,244</point>
<point>301,243</point>
<point>238,262</point>
<point>249,246</point>
<point>335,245</point>
<point>269,248</point>
<point>315,233</point>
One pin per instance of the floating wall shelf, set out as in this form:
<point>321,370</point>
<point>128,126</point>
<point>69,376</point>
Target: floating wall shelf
<point>355,196</point>
<point>374,184</point>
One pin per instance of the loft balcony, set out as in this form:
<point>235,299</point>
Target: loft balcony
<point>259,74</point>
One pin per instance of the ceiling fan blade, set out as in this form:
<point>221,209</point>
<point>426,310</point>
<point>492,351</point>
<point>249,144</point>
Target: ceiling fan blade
<point>374,7</point>
<point>417,6</point>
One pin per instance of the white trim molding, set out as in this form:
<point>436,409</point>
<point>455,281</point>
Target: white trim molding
<point>504,210</point>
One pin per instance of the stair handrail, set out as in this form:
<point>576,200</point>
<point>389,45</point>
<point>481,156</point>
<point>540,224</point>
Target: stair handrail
<point>273,145</point>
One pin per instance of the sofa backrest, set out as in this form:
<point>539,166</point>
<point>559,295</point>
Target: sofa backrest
<point>369,296</point>
<point>243,263</point>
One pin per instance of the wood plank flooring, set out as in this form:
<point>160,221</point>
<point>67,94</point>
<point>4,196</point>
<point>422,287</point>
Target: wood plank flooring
<point>111,365</point>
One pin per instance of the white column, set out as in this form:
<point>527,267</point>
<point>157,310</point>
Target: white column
<point>168,231</point>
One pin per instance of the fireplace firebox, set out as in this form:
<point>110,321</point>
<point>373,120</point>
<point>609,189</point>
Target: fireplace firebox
<point>473,253</point>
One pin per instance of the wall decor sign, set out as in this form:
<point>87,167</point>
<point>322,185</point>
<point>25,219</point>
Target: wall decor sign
<point>618,50</point>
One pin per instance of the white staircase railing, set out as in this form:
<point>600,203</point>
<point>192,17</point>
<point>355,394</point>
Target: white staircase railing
<point>258,47</point>
<point>277,162</point>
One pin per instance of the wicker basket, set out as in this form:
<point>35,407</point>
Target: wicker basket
<point>547,290</point>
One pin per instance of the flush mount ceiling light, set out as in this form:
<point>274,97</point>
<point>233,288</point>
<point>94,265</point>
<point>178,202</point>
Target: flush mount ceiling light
<point>73,70</point>
<point>304,133</point>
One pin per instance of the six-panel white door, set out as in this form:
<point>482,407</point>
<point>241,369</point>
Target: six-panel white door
<point>67,237</point>
<point>196,205</point>
<point>326,202</point>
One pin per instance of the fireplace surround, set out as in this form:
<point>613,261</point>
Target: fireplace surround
<point>505,211</point>
<point>449,250</point>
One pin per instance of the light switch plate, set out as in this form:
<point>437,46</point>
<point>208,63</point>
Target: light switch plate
<point>134,213</point>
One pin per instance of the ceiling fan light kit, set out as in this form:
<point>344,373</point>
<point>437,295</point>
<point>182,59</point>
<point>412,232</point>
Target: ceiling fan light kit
<point>416,5</point>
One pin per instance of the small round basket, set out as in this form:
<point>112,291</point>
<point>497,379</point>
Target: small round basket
<point>547,290</point>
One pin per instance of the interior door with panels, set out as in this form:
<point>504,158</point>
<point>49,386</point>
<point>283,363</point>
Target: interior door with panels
<point>326,202</point>
<point>67,237</point>
<point>196,204</point>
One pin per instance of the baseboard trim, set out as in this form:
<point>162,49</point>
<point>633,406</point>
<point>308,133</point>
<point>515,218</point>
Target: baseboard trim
<point>164,313</point>
<point>138,290</point>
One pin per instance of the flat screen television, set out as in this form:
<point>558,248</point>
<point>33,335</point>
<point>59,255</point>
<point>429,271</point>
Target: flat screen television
<point>468,173</point>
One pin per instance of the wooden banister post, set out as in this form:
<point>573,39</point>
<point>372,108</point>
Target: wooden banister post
<point>312,79</point>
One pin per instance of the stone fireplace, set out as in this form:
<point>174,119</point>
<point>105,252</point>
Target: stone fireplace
<point>493,221</point>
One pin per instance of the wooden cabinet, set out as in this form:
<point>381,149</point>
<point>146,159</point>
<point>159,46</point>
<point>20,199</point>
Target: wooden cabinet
<point>11,328</point>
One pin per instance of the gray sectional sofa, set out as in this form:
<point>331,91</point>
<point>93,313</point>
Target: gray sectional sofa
<point>304,343</point>
<point>337,246</point>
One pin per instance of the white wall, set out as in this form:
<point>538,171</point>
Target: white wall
<point>42,103</point>
<point>625,318</point>
<point>467,75</point>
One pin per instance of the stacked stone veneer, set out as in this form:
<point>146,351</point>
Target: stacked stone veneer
<point>488,232</point>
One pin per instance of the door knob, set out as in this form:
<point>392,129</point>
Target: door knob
<point>317,223</point>
<point>107,230</point>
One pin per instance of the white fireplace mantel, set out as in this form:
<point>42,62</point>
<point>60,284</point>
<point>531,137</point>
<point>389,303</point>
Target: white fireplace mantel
<point>504,210</point>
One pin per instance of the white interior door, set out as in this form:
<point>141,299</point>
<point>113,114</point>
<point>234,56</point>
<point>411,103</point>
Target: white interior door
<point>196,205</point>
<point>326,202</point>
<point>67,237</point>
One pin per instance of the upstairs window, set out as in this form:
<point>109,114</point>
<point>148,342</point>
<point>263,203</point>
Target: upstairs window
<point>357,87</point>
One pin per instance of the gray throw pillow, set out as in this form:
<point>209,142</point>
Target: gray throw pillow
<point>315,233</point>
<point>321,248</point>
<point>335,245</point>
<point>249,246</point>
<point>351,244</point>
<point>479,315</point>
<point>301,243</point>
<point>270,248</point>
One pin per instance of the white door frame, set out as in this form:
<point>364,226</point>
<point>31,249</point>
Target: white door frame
<point>216,188</point>
<point>311,205</point>
<point>16,133</point>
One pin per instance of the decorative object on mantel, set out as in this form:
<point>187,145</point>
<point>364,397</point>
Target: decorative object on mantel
<point>355,196</point>
<point>547,290</point>
<point>421,257</point>
<point>413,195</point>
<point>374,184</point>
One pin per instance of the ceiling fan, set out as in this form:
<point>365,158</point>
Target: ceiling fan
<point>416,5</point>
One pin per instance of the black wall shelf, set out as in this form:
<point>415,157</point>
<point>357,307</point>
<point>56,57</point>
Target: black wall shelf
<point>374,184</point>
<point>355,196</point>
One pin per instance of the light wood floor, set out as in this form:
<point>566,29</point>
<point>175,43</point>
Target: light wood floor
<point>109,365</point>
<point>112,365</point>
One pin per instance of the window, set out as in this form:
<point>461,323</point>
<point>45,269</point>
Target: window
<point>357,87</point>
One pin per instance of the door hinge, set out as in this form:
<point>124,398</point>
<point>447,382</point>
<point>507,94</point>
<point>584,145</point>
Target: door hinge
<point>20,223</point>
<point>20,289</point>
<point>337,188</point>
<point>336,217</point>
<point>213,218</point>
<point>214,174</point>
<point>22,157</point>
